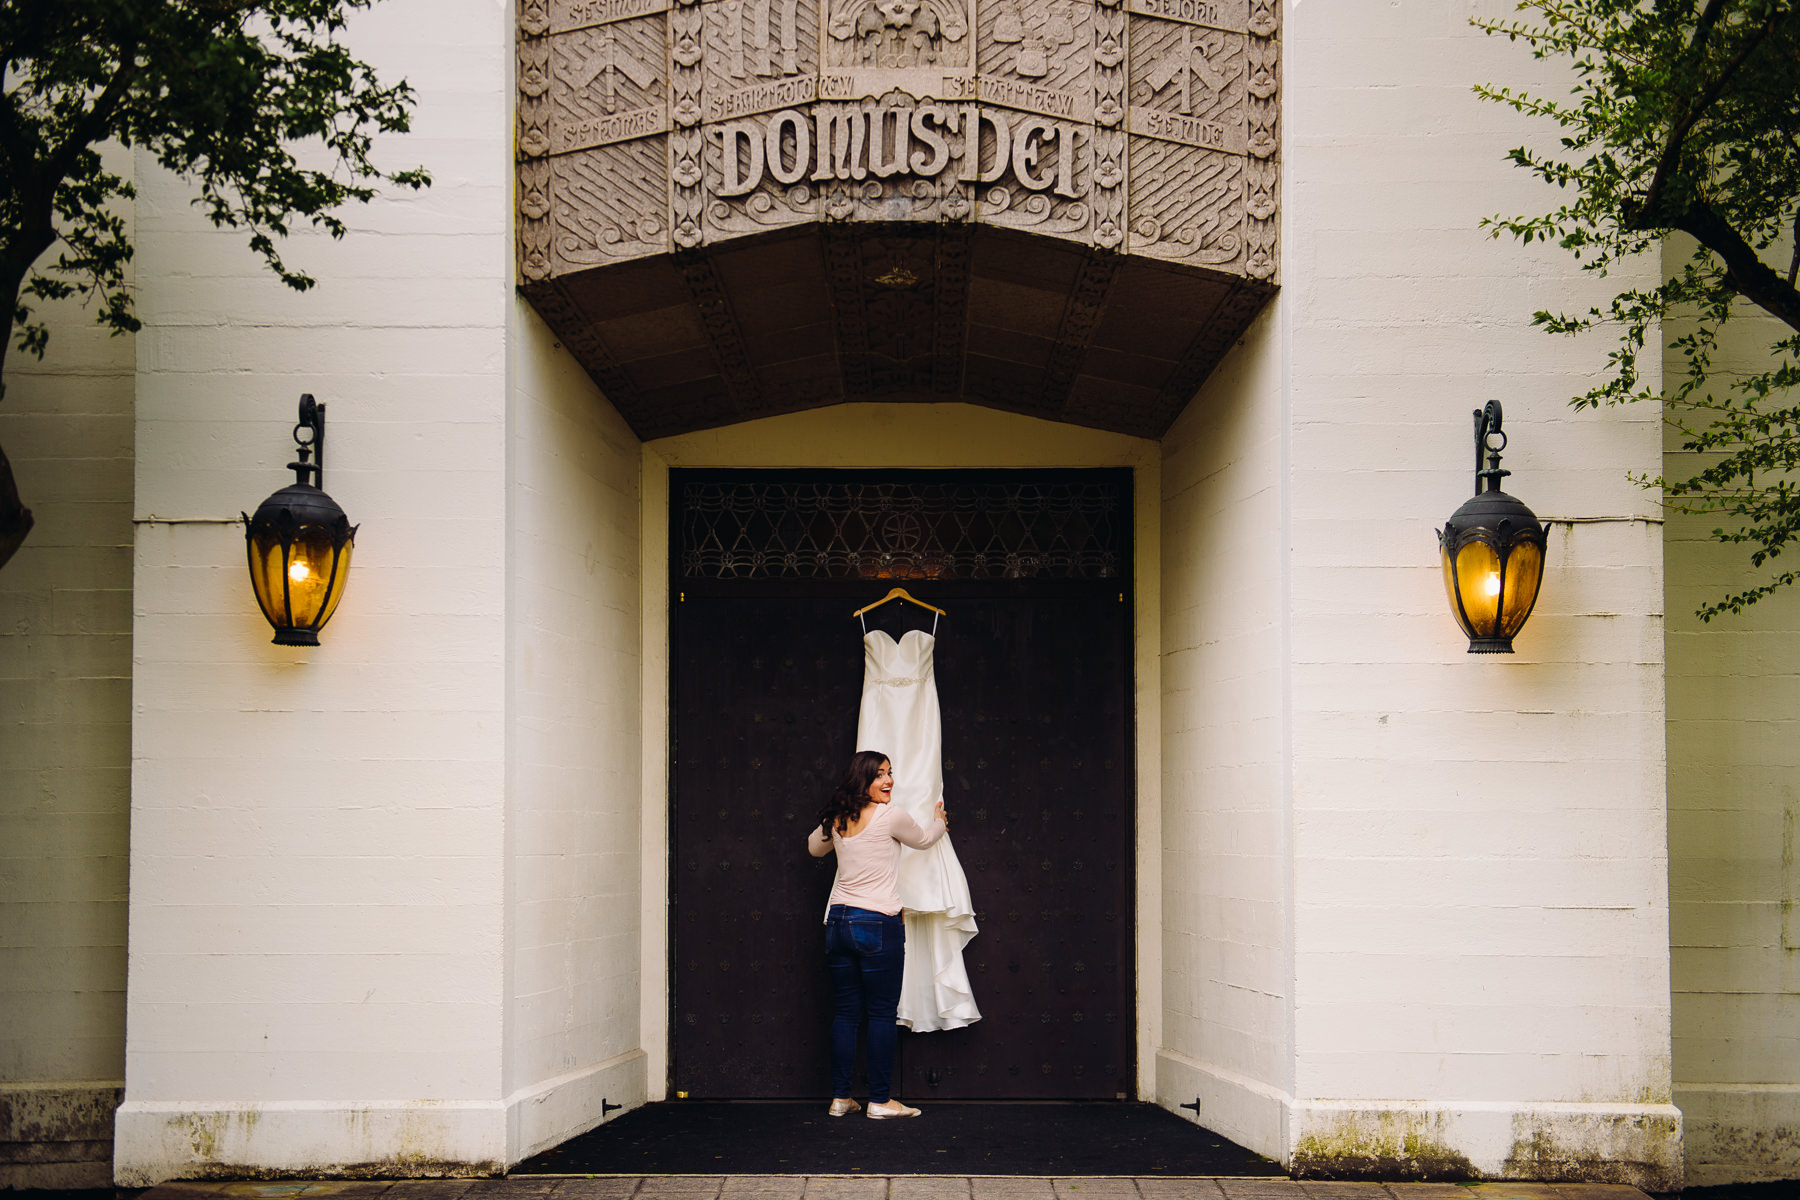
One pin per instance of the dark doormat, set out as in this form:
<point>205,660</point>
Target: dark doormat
<point>697,1137</point>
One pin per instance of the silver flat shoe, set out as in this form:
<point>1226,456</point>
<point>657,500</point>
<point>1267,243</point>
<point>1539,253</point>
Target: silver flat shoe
<point>842,1108</point>
<point>890,1108</point>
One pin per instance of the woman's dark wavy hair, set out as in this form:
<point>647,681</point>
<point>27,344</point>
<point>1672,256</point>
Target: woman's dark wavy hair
<point>852,791</point>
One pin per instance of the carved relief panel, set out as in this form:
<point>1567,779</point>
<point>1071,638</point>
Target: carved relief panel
<point>1190,130</point>
<point>593,120</point>
<point>920,47</point>
<point>761,69</point>
<point>1200,112</point>
<point>1142,126</point>
<point>1036,62</point>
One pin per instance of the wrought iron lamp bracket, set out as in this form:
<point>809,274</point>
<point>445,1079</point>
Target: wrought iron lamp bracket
<point>312,446</point>
<point>1487,429</point>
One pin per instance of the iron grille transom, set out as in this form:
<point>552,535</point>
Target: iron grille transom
<point>1073,525</point>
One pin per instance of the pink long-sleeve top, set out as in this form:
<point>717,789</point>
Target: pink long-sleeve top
<point>868,873</point>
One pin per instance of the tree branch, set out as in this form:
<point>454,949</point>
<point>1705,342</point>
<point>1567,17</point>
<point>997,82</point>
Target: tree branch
<point>1645,216</point>
<point>1754,279</point>
<point>10,142</point>
<point>97,122</point>
<point>1794,262</point>
<point>16,257</point>
<point>15,519</point>
<point>35,227</point>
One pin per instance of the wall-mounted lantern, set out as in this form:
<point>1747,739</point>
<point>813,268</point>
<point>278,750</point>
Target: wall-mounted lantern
<point>1493,551</point>
<point>300,542</point>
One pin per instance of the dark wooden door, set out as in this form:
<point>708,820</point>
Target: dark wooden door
<point>1034,683</point>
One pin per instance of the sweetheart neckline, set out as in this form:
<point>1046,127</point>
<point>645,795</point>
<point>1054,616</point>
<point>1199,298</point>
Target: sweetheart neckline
<point>896,641</point>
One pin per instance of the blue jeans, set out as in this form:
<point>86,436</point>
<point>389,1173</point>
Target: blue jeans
<point>866,952</point>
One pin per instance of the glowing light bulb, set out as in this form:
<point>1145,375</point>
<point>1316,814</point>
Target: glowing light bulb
<point>299,572</point>
<point>1491,585</point>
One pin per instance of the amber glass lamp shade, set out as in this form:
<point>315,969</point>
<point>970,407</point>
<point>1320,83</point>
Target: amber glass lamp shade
<point>299,543</point>
<point>1493,553</point>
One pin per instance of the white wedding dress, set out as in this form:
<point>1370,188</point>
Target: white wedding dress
<point>900,719</point>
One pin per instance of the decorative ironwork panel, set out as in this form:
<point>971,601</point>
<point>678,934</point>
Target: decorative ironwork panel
<point>937,530</point>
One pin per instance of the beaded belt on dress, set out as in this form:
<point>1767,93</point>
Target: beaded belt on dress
<point>902,681</point>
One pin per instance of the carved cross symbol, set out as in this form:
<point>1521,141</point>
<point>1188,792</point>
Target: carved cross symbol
<point>1186,61</point>
<point>1036,45</point>
<point>607,64</point>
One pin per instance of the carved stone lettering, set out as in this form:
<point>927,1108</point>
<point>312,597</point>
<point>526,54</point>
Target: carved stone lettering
<point>788,138</point>
<point>766,111</point>
<point>785,93</point>
<point>1189,117</point>
<point>612,127</point>
<point>1069,106</point>
<point>882,140</point>
<point>1233,138</point>
<point>578,14</point>
<point>889,152</point>
<point>932,127</point>
<point>1219,14</point>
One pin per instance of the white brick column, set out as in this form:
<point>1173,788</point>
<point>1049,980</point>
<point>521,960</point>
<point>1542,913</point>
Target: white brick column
<point>1425,928</point>
<point>317,962</point>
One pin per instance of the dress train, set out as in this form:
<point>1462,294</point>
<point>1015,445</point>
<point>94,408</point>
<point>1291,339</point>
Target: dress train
<point>901,719</point>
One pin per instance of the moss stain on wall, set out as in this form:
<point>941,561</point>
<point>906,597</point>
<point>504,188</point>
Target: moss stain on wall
<point>1386,1145</point>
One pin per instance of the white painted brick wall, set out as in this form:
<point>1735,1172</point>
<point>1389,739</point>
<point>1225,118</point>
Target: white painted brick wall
<point>1734,747</point>
<point>1425,860</point>
<point>65,750</point>
<point>575,770</point>
<point>1478,907</point>
<point>1227,924</point>
<point>65,687</point>
<point>318,889</point>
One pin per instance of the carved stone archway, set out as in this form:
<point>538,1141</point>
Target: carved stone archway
<point>731,209</point>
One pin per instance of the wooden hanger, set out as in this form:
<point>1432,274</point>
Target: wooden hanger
<point>900,594</point>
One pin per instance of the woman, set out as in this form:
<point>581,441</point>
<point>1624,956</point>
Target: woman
<point>865,938</point>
